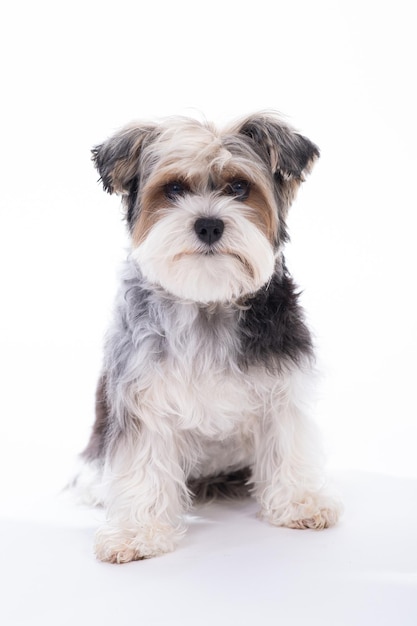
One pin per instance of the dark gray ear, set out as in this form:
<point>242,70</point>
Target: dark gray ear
<point>289,154</point>
<point>118,159</point>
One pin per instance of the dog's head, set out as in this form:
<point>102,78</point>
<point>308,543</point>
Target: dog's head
<point>206,209</point>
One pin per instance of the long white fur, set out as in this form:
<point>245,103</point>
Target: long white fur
<point>195,419</point>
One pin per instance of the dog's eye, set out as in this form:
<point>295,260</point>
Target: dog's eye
<point>175,189</point>
<point>239,188</point>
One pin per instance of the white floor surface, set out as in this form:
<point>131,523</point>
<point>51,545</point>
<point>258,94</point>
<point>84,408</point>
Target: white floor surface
<point>230,569</point>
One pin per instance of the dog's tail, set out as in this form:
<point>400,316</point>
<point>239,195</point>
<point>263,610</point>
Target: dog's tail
<point>227,485</point>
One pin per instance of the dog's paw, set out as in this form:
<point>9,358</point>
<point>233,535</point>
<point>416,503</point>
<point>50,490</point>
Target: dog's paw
<point>314,510</point>
<point>121,545</point>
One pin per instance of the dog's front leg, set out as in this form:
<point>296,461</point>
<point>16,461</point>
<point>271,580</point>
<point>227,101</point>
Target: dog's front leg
<point>288,473</point>
<point>146,498</point>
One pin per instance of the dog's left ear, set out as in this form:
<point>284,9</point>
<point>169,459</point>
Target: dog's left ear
<point>289,154</point>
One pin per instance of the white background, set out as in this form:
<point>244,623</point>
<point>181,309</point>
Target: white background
<point>342,72</point>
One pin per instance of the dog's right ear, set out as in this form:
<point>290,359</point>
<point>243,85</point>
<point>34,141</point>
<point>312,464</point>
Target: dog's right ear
<point>118,159</point>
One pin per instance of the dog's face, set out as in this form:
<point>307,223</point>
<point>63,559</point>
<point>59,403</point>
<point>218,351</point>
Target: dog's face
<point>206,209</point>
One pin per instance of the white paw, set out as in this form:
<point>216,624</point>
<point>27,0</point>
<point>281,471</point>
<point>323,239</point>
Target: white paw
<point>121,545</point>
<point>311,510</point>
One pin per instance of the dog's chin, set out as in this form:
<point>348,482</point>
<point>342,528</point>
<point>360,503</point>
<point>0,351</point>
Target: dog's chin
<point>207,277</point>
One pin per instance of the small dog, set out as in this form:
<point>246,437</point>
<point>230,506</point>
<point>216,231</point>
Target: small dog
<point>208,358</point>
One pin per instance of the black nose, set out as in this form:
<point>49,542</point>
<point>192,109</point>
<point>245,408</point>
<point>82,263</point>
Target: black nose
<point>209,229</point>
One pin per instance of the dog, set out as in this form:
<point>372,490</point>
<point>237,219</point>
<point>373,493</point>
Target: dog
<point>208,360</point>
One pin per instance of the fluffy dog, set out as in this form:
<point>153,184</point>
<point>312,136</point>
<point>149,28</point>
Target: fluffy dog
<point>208,359</point>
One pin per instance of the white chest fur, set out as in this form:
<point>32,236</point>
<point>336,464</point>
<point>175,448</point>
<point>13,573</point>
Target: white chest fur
<point>196,383</point>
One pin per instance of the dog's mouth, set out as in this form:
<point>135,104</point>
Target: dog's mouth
<point>212,252</point>
<point>246,265</point>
